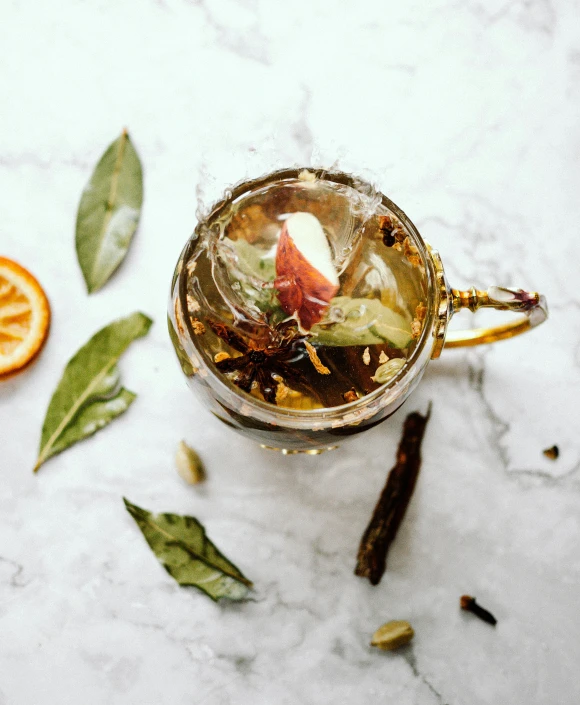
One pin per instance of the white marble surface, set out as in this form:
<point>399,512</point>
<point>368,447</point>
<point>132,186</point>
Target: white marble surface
<point>466,114</point>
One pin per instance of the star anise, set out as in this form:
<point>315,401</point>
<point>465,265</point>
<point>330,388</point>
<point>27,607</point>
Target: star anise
<point>263,359</point>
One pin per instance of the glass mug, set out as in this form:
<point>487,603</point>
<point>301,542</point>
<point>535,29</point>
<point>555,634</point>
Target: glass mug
<point>294,430</point>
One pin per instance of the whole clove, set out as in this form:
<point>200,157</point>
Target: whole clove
<point>392,505</point>
<point>469,604</point>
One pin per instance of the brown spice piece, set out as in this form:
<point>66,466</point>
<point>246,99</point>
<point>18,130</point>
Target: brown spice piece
<point>350,396</point>
<point>552,452</point>
<point>218,357</point>
<point>399,234</point>
<point>315,360</point>
<point>197,326</point>
<point>469,604</point>
<point>392,505</point>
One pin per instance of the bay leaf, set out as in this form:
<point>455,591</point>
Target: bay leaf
<point>108,212</point>
<point>182,547</point>
<point>88,396</point>
<point>362,322</point>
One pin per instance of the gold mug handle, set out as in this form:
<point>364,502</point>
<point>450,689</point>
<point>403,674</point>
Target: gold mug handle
<point>531,304</point>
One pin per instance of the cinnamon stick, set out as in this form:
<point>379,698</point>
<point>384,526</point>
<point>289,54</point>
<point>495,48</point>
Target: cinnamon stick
<point>395,497</point>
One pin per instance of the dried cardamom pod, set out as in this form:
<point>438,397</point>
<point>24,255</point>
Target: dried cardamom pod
<point>189,465</point>
<point>388,370</point>
<point>392,635</point>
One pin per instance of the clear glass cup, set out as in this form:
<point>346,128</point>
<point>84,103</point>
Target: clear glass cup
<point>315,430</point>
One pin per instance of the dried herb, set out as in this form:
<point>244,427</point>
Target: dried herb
<point>189,465</point>
<point>469,604</point>
<point>109,212</point>
<point>393,502</point>
<point>88,395</point>
<point>393,635</point>
<point>263,359</point>
<point>182,547</point>
<point>552,452</point>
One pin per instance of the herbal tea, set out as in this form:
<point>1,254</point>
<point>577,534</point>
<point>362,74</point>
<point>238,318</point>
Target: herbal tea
<point>304,293</point>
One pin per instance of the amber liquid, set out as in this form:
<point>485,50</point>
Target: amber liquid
<point>231,280</point>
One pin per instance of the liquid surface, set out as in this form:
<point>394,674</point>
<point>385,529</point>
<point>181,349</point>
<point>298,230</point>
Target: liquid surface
<point>306,293</point>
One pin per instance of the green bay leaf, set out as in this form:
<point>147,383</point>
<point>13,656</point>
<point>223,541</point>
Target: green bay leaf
<point>182,547</point>
<point>363,322</point>
<point>88,395</point>
<point>109,212</point>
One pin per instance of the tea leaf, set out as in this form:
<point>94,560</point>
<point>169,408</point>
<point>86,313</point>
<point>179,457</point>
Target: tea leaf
<point>362,322</point>
<point>182,547</point>
<point>88,395</point>
<point>109,212</point>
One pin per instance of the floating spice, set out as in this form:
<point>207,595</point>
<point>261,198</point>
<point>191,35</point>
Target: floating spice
<point>395,497</point>
<point>350,396</point>
<point>388,370</point>
<point>367,356</point>
<point>552,452</point>
<point>469,604</point>
<point>262,361</point>
<point>393,635</point>
<point>197,326</point>
<point>386,226</point>
<point>315,360</point>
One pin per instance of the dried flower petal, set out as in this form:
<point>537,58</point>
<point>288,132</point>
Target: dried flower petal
<point>306,175</point>
<point>350,396</point>
<point>315,360</point>
<point>420,311</point>
<point>189,465</point>
<point>198,327</point>
<point>221,356</point>
<point>393,635</point>
<point>192,304</point>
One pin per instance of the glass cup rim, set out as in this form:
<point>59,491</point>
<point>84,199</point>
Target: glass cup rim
<point>263,410</point>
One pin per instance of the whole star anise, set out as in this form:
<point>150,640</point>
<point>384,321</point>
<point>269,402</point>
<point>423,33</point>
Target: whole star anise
<point>262,358</point>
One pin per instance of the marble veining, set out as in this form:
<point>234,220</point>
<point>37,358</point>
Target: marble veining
<point>465,114</point>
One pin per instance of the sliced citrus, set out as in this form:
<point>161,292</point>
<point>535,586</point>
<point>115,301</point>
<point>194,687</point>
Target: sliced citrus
<point>24,318</point>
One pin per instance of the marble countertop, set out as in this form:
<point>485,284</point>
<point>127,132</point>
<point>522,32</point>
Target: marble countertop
<point>466,115</point>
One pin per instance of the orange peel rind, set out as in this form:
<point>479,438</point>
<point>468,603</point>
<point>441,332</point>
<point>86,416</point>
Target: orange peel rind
<point>24,318</point>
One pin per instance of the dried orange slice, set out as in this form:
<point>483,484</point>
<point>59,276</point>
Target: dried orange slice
<point>24,318</point>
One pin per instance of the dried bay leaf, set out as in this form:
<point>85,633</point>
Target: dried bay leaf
<point>88,396</point>
<point>109,212</point>
<point>362,322</point>
<point>182,547</point>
